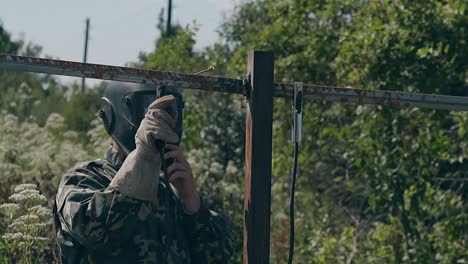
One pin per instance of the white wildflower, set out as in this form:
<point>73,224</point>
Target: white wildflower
<point>28,192</point>
<point>231,168</point>
<point>9,207</point>
<point>16,223</point>
<point>216,168</point>
<point>13,236</point>
<point>28,237</point>
<point>55,120</point>
<point>25,186</point>
<point>33,238</point>
<point>28,218</point>
<point>70,134</point>
<point>40,211</point>
<point>18,197</point>
<point>36,226</point>
<point>28,196</point>
<point>11,119</point>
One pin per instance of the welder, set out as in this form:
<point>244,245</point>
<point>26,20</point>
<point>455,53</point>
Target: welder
<point>124,209</point>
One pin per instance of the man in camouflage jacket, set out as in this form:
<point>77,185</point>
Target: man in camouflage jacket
<point>100,221</point>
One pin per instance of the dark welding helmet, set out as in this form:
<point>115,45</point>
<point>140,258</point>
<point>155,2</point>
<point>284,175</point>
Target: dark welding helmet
<point>124,105</point>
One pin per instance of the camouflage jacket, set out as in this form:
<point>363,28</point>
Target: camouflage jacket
<point>97,225</point>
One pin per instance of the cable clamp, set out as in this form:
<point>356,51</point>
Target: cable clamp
<point>297,109</point>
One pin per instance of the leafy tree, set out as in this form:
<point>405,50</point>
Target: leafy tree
<point>368,174</point>
<point>417,46</point>
<point>375,184</point>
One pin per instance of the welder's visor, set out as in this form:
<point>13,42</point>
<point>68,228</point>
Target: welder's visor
<point>135,105</point>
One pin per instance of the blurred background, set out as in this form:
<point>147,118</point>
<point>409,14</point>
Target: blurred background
<point>375,184</point>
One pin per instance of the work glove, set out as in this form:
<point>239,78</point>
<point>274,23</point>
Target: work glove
<point>139,175</point>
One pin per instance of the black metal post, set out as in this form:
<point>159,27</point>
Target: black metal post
<point>258,148</point>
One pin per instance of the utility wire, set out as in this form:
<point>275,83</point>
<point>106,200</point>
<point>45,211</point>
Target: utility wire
<point>291,204</point>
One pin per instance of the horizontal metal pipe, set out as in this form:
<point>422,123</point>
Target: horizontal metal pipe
<point>376,97</point>
<point>226,85</point>
<point>122,74</point>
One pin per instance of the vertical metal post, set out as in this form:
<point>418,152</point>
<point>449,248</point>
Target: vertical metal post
<point>85,53</point>
<point>258,147</point>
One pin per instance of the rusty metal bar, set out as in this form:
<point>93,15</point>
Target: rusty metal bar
<point>376,97</point>
<point>122,74</point>
<point>226,85</point>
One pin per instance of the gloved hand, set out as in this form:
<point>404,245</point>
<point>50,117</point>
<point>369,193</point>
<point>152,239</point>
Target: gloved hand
<point>139,175</point>
<point>157,125</point>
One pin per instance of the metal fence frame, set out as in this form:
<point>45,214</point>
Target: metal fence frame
<point>260,91</point>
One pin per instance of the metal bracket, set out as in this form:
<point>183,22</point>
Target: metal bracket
<point>297,109</point>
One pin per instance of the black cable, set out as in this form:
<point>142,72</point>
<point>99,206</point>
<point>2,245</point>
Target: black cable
<point>291,204</point>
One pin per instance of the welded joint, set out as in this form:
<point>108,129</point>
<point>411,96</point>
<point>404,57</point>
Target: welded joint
<point>297,110</point>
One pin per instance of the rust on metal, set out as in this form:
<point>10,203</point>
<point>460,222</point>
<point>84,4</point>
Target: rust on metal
<point>226,85</point>
<point>124,74</point>
<point>376,97</point>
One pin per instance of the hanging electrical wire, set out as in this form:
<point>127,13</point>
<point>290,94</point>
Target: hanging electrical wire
<point>296,137</point>
<point>291,204</point>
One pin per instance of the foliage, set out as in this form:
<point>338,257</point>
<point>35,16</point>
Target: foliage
<point>35,97</point>
<point>375,184</point>
<point>419,46</point>
<point>368,175</point>
<point>28,222</point>
<point>42,155</point>
<point>82,108</point>
<point>22,92</point>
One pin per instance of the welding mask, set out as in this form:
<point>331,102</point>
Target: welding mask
<point>124,105</point>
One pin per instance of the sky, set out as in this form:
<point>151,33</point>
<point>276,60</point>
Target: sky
<point>119,29</point>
